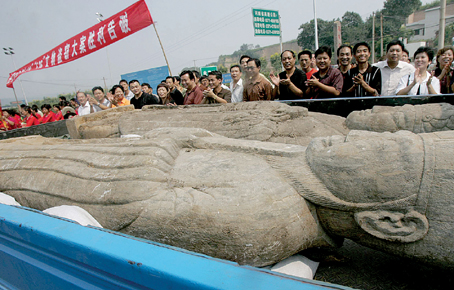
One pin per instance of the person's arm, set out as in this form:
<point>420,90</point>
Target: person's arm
<point>292,87</point>
<point>275,80</point>
<point>444,71</point>
<point>402,89</point>
<point>433,86</point>
<point>8,120</point>
<point>314,82</point>
<point>359,81</point>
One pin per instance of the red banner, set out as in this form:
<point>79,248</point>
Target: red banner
<point>116,27</point>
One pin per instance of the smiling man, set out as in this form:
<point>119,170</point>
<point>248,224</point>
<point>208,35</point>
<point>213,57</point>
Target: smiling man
<point>392,69</point>
<point>215,93</point>
<point>345,55</point>
<point>365,80</point>
<point>194,94</point>
<point>140,98</point>
<point>328,81</point>
<point>305,59</point>
<point>291,83</point>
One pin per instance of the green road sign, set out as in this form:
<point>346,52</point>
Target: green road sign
<point>206,69</point>
<point>266,22</point>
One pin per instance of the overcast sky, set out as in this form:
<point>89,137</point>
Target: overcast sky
<point>190,30</point>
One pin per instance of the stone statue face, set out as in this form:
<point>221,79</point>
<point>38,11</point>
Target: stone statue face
<point>416,118</point>
<point>390,191</point>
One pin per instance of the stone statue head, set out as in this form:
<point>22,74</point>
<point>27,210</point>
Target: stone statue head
<point>389,191</point>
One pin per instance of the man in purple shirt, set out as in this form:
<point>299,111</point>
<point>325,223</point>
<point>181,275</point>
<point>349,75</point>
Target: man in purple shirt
<point>328,81</point>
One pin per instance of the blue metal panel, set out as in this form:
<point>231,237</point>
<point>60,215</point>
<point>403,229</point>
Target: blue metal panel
<point>226,78</point>
<point>38,251</point>
<point>153,76</point>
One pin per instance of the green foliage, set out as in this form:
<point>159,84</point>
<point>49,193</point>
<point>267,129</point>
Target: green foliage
<point>352,28</point>
<point>449,33</point>
<point>222,69</point>
<point>400,8</point>
<point>355,30</point>
<point>264,66</point>
<point>275,60</point>
<point>434,4</point>
<point>325,31</point>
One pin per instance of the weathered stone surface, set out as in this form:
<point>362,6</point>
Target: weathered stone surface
<point>184,187</point>
<point>415,118</point>
<point>263,121</point>
<point>106,123</point>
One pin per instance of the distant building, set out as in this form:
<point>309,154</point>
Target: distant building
<point>425,23</point>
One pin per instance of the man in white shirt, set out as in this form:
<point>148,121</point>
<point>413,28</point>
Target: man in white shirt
<point>84,107</point>
<point>236,86</point>
<point>392,69</point>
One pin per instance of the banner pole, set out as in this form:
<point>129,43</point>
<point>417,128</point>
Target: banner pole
<point>168,66</point>
<point>17,101</point>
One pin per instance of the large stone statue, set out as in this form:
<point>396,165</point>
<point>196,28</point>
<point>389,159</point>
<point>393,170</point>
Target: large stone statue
<point>180,186</point>
<point>249,201</point>
<point>263,121</point>
<point>415,118</point>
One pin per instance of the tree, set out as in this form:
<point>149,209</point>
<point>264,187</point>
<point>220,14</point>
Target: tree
<point>353,30</point>
<point>222,69</point>
<point>275,60</point>
<point>400,8</point>
<point>449,33</point>
<point>264,66</point>
<point>306,37</point>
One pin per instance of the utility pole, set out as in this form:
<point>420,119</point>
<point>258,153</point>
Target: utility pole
<point>381,34</point>
<point>315,24</point>
<point>373,37</point>
<point>10,51</point>
<point>441,31</point>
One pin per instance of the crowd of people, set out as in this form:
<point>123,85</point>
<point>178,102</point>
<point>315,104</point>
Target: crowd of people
<point>317,78</point>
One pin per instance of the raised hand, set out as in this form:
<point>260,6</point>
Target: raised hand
<point>275,79</point>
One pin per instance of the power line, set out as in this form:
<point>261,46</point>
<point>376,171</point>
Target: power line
<point>211,28</point>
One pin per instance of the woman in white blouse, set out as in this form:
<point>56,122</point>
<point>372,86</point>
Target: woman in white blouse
<point>421,82</point>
